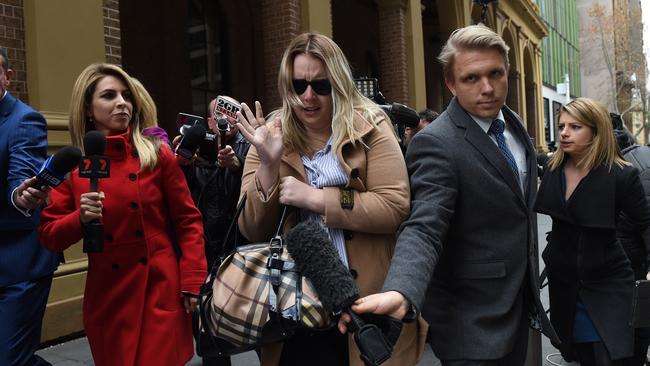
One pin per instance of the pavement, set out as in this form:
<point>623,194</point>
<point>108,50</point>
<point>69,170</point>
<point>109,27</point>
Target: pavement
<point>77,352</point>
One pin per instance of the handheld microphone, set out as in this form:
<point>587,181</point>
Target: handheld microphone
<point>224,127</point>
<point>94,166</point>
<point>317,259</point>
<point>54,169</point>
<point>191,141</point>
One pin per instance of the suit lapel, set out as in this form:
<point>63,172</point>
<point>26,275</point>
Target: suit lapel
<point>590,205</point>
<point>482,142</point>
<point>6,106</point>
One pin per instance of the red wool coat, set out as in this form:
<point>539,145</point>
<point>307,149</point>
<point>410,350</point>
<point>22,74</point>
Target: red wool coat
<point>133,312</point>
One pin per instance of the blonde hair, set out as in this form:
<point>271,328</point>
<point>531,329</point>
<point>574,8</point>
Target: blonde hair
<point>603,149</point>
<point>346,99</point>
<point>149,117</point>
<point>80,105</point>
<point>472,37</point>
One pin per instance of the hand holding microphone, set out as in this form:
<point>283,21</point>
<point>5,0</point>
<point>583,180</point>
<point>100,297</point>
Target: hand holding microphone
<point>317,259</point>
<point>33,192</point>
<point>27,197</point>
<point>90,207</point>
<point>94,166</point>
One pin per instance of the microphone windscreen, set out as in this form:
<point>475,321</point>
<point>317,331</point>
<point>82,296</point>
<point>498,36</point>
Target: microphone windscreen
<point>222,125</point>
<point>65,160</point>
<point>405,115</point>
<point>94,143</point>
<point>317,259</point>
<point>193,137</point>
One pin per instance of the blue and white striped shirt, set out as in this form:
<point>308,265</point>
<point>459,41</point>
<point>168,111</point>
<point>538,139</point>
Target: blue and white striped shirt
<point>324,170</point>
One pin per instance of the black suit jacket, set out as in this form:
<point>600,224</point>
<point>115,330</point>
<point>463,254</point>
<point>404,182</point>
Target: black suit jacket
<point>471,237</point>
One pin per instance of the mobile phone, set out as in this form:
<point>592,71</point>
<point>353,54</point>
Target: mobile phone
<point>226,106</point>
<point>189,120</point>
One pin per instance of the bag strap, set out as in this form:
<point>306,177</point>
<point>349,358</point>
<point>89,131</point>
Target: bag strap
<point>276,242</point>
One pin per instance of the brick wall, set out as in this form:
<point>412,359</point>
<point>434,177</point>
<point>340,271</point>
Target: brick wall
<point>12,37</point>
<point>280,24</point>
<point>112,36</point>
<point>392,52</point>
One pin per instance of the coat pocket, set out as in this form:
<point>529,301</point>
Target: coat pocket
<point>484,270</point>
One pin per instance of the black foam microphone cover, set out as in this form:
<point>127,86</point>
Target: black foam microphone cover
<point>317,259</point>
<point>94,143</point>
<point>65,160</point>
<point>191,141</point>
<point>222,125</point>
<point>405,115</point>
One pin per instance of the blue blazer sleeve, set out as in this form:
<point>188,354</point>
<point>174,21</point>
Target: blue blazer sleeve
<point>23,142</point>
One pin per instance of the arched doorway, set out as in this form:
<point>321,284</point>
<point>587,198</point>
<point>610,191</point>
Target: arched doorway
<point>530,87</point>
<point>186,52</point>
<point>513,73</point>
<point>437,94</point>
<point>355,28</point>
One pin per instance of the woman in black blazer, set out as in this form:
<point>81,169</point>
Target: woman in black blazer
<point>586,186</point>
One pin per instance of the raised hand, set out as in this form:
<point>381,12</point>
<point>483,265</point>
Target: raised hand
<point>267,139</point>
<point>265,136</point>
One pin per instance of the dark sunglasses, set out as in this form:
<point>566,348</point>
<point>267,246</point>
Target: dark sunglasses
<point>320,87</point>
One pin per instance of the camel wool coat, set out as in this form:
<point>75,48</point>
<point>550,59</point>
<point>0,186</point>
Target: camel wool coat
<point>133,311</point>
<point>378,179</point>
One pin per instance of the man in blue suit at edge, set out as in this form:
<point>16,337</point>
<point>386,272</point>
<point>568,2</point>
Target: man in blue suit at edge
<point>26,267</point>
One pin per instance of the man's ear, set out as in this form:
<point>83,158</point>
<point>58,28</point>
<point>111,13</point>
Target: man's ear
<point>9,75</point>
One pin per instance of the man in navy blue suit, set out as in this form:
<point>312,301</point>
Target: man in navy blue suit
<point>26,267</point>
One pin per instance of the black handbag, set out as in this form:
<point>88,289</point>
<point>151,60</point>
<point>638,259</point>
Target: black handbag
<point>255,296</point>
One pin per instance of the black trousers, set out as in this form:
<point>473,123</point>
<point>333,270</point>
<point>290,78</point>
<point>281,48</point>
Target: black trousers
<point>595,354</point>
<point>517,357</point>
<point>323,348</point>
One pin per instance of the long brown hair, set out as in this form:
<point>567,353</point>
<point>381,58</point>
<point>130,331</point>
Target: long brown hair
<point>603,149</point>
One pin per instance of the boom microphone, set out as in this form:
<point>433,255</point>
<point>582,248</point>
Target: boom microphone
<point>317,259</point>
<point>402,114</point>
<point>54,169</point>
<point>191,141</point>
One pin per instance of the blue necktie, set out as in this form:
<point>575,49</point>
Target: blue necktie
<point>496,129</point>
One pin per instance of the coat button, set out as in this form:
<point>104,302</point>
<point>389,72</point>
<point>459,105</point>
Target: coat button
<point>134,205</point>
<point>354,274</point>
<point>134,153</point>
<point>115,266</point>
<point>143,260</point>
<point>133,177</point>
<point>354,173</point>
<point>139,233</point>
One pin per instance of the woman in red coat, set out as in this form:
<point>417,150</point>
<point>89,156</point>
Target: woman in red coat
<point>138,290</point>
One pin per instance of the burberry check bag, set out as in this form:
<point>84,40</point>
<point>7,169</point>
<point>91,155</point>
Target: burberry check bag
<point>254,297</point>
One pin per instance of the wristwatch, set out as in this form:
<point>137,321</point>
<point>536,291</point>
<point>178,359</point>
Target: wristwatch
<point>347,198</point>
